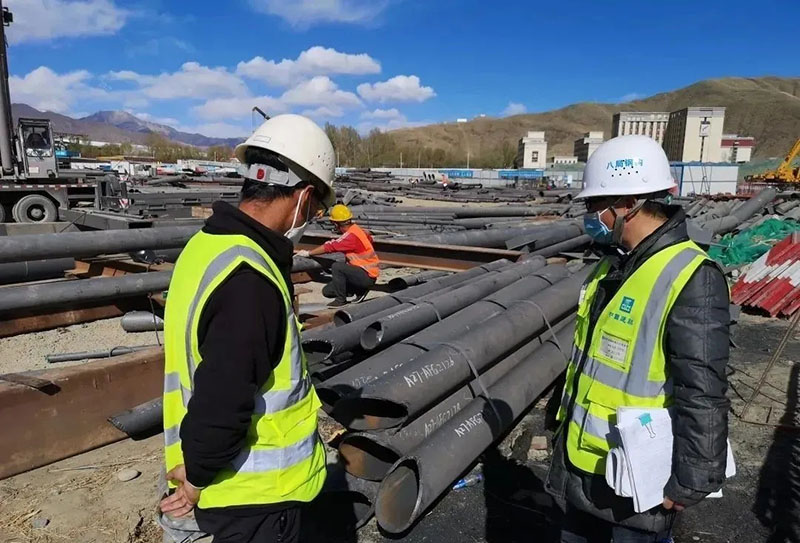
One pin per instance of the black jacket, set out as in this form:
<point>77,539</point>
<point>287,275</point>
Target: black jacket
<point>241,336</point>
<point>697,343</point>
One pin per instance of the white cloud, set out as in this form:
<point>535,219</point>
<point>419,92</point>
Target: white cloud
<point>304,13</point>
<point>514,108</point>
<point>43,20</point>
<point>631,96</point>
<point>385,120</point>
<point>193,80</point>
<point>314,61</point>
<point>393,113</point>
<point>323,112</point>
<point>158,46</point>
<point>47,90</point>
<point>400,88</point>
<point>319,91</point>
<point>169,121</point>
<point>216,130</point>
<point>237,108</point>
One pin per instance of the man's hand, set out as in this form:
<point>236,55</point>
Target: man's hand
<point>302,253</point>
<point>185,496</point>
<point>669,505</point>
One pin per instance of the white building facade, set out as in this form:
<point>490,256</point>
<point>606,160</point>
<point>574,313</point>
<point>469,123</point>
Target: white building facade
<point>643,123</point>
<point>694,134</point>
<point>532,151</point>
<point>585,146</point>
<point>736,149</point>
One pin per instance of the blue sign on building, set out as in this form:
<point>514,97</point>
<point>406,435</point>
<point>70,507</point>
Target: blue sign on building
<point>521,174</point>
<point>453,174</point>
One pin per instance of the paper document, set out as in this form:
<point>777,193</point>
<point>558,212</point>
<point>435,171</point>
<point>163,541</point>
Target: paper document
<point>641,465</point>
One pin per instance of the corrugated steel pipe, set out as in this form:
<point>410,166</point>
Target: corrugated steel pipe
<point>568,245</point>
<point>414,316</point>
<point>390,360</point>
<point>419,478</point>
<point>371,454</point>
<point>404,394</point>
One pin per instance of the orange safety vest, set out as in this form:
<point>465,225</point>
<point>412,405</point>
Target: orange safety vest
<point>367,260</point>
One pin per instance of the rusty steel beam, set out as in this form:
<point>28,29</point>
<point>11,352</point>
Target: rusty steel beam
<point>62,412</point>
<point>37,320</point>
<point>423,255</point>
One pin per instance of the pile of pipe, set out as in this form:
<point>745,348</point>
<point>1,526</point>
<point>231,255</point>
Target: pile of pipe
<point>440,370</point>
<point>33,257</point>
<point>505,227</point>
<point>721,216</point>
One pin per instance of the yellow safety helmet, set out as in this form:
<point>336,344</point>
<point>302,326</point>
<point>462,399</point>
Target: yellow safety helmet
<point>341,213</point>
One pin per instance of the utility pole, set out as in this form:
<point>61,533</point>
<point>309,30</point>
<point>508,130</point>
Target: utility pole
<point>401,159</point>
<point>419,153</point>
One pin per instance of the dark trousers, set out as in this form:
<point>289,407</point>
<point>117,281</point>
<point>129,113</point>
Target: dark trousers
<point>229,527</point>
<point>580,527</point>
<point>347,280</point>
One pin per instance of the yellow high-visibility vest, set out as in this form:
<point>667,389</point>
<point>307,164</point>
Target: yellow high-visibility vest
<point>622,360</point>
<point>283,458</point>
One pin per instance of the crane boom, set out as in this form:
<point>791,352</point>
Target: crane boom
<point>786,166</point>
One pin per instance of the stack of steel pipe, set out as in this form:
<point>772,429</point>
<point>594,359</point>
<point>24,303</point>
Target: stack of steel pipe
<point>399,403</point>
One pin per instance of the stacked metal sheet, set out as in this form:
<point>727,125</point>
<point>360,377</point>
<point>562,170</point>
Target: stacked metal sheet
<point>772,282</point>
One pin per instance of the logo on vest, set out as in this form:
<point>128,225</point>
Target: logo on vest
<point>626,305</point>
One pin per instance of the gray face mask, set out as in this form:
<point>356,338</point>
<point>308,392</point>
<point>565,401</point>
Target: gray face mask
<point>296,232</point>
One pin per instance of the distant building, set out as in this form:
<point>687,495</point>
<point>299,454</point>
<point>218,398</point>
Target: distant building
<point>694,134</point>
<point>461,120</point>
<point>563,159</point>
<point>736,149</point>
<point>532,151</point>
<point>585,146</point>
<point>644,123</point>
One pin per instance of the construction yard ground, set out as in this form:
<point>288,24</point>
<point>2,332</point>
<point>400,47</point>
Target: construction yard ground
<point>81,499</point>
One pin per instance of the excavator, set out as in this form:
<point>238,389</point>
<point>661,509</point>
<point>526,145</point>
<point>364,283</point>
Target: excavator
<point>785,173</point>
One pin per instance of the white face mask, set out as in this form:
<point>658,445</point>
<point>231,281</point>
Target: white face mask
<point>296,232</point>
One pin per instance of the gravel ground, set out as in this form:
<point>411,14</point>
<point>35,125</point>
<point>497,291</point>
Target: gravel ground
<point>27,351</point>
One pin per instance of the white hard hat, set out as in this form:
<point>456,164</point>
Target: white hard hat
<point>626,165</point>
<point>302,142</point>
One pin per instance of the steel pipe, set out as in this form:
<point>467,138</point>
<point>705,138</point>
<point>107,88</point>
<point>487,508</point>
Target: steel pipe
<point>362,310</point>
<point>390,360</point>
<point>491,238</point>
<point>34,270</point>
<point>419,383</point>
<point>325,344</point>
<point>141,321</point>
<point>405,281</point>
<point>140,420</point>
<point>371,454</point>
<point>414,316</point>
<point>83,244</point>
<point>420,477</point>
<point>345,502</point>
<point>742,213</point>
<point>553,235</point>
<point>108,353</point>
<point>82,290</point>
<point>568,245</point>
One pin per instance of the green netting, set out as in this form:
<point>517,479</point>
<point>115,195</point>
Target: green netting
<point>748,245</point>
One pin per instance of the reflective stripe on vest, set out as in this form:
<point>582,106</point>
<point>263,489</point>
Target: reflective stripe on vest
<point>367,260</point>
<point>283,458</point>
<point>624,363</point>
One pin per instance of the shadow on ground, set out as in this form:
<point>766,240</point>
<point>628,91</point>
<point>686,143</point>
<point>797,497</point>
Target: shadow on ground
<point>778,497</point>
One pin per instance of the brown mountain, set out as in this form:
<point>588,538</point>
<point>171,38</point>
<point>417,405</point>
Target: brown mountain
<point>767,108</point>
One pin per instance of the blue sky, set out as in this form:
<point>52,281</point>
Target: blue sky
<point>201,65</point>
